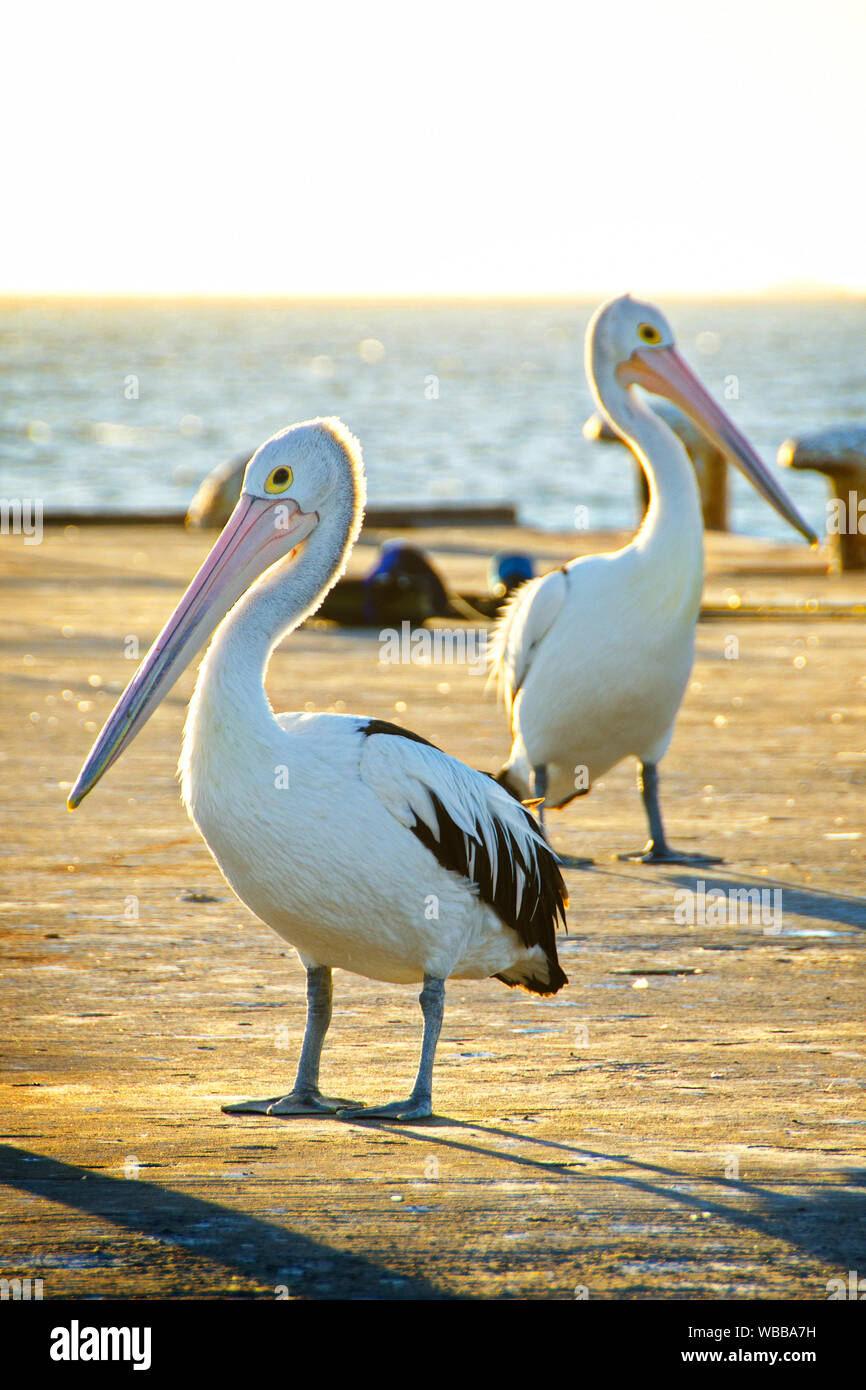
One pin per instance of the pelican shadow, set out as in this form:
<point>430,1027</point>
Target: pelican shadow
<point>796,900</point>
<point>824,1222</point>
<point>248,1246</point>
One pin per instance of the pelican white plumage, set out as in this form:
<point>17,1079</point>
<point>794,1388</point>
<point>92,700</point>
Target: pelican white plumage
<point>592,660</point>
<point>359,842</point>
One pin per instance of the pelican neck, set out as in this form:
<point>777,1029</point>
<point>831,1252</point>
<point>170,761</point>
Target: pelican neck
<point>674,512</point>
<point>232,676</point>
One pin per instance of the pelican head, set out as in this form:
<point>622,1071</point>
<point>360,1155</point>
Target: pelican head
<point>288,484</point>
<point>629,343</point>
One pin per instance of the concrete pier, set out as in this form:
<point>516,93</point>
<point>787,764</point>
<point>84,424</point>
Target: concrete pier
<point>685,1120</point>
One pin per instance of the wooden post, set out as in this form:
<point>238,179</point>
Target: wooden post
<point>840,454</point>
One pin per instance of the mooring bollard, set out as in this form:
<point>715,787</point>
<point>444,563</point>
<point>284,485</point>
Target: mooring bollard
<point>840,454</point>
<point>217,496</point>
<point>711,468</point>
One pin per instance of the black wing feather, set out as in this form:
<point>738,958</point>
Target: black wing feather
<point>542,903</point>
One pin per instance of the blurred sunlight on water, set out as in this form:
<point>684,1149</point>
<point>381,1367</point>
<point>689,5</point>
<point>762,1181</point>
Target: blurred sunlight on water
<point>214,379</point>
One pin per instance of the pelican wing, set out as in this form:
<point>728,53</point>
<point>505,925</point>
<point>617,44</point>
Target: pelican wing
<point>525,621</point>
<point>472,826</point>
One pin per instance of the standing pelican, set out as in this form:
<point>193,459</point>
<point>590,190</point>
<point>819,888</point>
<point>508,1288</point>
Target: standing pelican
<point>592,660</point>
<point>357,841</point>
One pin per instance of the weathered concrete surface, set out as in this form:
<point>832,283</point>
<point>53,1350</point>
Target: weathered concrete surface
<point>686,1120</point>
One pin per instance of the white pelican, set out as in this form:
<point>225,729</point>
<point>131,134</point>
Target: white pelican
<point>357,841</point>
<point>592,660</point>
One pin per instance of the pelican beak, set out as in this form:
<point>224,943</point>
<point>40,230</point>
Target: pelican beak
<point>259,532</point>
<point>662,371</point>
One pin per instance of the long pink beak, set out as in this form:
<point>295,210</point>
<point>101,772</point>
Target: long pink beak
<point>259,532</point>
<point>662,371</point>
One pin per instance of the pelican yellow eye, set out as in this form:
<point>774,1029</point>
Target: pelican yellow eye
<point>648,334</point>
<point>279,480</point>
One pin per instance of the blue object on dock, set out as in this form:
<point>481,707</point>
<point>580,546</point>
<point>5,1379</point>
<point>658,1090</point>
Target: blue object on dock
<point>508,569</point>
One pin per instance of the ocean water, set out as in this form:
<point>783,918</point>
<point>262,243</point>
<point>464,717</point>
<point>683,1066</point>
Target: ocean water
<point>127,406</point>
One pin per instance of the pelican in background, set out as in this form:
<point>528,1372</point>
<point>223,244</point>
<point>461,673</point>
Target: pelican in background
<point>592,660</point>
<point>360,843</point>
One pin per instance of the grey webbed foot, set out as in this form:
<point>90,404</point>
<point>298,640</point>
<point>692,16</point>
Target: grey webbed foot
<point>295,1103</point>
<point>411,1109</point>
<point>570,861</point>
<point>663,854</point>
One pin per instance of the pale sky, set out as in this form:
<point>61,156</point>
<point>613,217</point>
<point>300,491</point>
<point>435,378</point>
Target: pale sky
<point>402,148</point>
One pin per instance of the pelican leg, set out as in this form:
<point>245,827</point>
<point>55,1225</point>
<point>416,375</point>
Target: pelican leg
<point>305,1098</point>
<point>539,782</point>
<point>420,1103</point>
<point>657,850</point>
